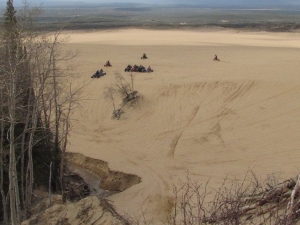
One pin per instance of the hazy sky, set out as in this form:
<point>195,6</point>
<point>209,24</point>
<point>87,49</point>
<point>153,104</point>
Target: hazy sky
<point>210,2</point>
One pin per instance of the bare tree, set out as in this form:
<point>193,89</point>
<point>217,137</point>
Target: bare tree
<point>11,73</point>
<point>35,103</point>
<point>52,100</point>
<point>125,90</point>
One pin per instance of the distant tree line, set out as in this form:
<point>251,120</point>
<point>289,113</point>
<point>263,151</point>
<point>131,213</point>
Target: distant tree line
<point>36,100</point>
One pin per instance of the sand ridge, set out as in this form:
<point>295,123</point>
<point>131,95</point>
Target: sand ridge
<point>198,117</point>
<point>189,37</point>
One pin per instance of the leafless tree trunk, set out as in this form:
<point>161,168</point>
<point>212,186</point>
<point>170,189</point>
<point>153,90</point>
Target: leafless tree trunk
<point>29,172</point>
<point>50,178</point>
<point>24,194</point>
<point>13,176</point>
<point>22,174</point>
<point>3,196</point>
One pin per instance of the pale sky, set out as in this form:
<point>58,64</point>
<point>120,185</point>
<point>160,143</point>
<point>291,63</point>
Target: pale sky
<point>210,2</point>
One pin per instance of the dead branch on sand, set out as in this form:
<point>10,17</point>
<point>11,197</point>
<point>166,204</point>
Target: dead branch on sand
<point>246,202</point>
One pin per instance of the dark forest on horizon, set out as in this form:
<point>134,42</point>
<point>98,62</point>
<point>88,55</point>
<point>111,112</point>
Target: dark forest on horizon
<point>112,16</point>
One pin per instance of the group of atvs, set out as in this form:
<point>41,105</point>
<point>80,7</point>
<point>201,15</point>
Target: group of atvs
<point>129,68</point>
<point>137,68</point>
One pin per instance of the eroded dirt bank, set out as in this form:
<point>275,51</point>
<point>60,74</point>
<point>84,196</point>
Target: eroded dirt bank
<point>93,209</point>
<point>110,180</point>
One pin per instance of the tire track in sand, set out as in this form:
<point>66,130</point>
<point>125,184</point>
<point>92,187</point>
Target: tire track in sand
<point>234,92</point>
<point>176,139</point>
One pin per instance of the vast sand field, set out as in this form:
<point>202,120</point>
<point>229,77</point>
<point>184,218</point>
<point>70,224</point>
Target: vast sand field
<point>200,117</point>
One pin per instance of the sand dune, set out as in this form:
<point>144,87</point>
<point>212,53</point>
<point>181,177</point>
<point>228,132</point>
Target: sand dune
<point>199,117</point>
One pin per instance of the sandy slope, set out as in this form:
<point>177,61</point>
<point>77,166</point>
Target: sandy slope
<point>212,119</point>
